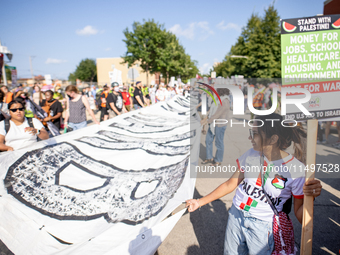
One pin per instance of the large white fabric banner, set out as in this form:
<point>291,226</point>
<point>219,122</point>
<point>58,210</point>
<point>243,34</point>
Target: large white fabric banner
<point>104,189</point>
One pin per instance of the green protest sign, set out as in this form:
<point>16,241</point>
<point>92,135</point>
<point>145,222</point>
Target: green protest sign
<point>310,59</point>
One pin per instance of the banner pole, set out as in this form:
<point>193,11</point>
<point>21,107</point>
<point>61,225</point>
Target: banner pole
<point>308,201</point>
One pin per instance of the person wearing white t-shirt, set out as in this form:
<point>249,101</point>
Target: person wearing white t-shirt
<point>172,92</point>
<point>161,93</point>
<point>167,93</point>
<point>20,134</point>
<point>267,167</point>
<point>153,94</point>
<point>179,91</point>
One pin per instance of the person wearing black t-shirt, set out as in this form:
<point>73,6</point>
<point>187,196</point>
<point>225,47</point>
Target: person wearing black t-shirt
<point>138,97</point>
<point>115,102</point>
<point>55,110</point>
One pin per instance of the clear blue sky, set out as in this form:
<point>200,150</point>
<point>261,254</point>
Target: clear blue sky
<point>59,34</point>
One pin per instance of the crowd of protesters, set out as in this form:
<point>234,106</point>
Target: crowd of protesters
<point>37,113</point>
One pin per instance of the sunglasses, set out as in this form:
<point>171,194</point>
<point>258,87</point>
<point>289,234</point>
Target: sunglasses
<point>252,133</point>
<point>15,109</point>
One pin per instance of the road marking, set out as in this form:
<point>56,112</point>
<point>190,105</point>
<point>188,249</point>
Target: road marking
<point>326,250</point>
<point>330,189</point>
<point>334,222</point>
<point>335,202</point>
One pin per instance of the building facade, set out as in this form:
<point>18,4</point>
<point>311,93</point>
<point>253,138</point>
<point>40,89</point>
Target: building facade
<point>106,66</point>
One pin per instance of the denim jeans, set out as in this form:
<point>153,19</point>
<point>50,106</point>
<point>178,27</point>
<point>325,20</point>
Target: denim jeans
<point>247,235</point>
<point>137,106</point>
<point>79,125</point>
<point>219,133</point>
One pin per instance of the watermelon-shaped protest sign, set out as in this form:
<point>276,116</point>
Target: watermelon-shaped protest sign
<point>336,24</point>
<point>288,27</point>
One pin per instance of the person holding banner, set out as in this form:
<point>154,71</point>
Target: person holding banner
<point>53,108</point>
<point>20,132</point>
<point>160,93</point>
<point>265,181</point>
<point>77,105</point>
<point>138,97</point>
<point>115,102</point>
<point>126,99</point>
<point>104,114</point>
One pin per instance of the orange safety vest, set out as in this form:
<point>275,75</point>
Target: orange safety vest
<point>9,97</point>
<point>258,99</point>
<point>106,94</point>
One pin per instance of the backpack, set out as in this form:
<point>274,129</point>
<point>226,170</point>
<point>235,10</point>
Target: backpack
<point>98,94</point>
<point>3,115</point>
<point>8,124</point>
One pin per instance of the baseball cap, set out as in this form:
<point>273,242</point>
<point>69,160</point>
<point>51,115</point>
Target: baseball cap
<point>138,82</point>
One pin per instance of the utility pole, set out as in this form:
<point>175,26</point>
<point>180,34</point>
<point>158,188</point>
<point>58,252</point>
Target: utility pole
<point>32,68</point>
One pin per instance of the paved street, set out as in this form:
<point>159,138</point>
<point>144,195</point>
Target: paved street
<point>202,232</point>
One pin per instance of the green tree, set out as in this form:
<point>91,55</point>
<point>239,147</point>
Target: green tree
<point>157,50</point>
<point>85,71</point>
<point>259,42</point>
<point>72,77</point>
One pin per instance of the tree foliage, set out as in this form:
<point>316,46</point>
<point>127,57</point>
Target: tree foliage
<point>260,43</point>
<point>85,71</point>
<point>157,50</point>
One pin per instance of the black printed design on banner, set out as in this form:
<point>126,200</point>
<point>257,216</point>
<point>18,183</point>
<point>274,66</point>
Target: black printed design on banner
<point>170,122</point>
<point>184,100</point>
<point>148,118</point>
<point>152,118</point>
<point>175,110</point>
<point>149,147</point>
<point>36,179</point>
<point>163,140</point>
<point>140,128</point>
<point>181,104</point>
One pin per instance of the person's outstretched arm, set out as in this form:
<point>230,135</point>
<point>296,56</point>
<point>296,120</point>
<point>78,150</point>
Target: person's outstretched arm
<point>87,105</point>
<point>67,114</point>
<point>3,146</point>
<point>222,190</point>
